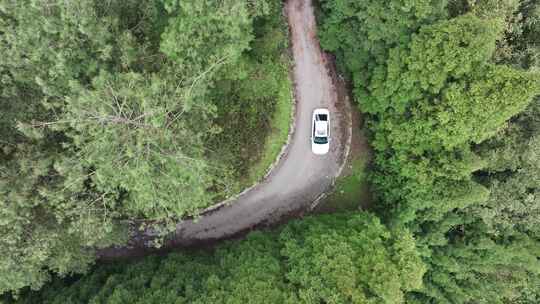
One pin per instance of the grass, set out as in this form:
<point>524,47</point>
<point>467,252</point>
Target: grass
<point>349,190</point>
<point>279,132</point>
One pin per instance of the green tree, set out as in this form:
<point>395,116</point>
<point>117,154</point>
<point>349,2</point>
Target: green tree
<point>432,122</point>
<point>140,135</point>
<point>429,100</point>
<point>205,33</point>
<point>50,221</point>
<point>332,259</point>
<point>107,115</point>
<point>350,260</point>
<point>361,33</point>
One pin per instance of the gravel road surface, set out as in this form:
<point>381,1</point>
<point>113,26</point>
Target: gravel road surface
<point>299,177</point>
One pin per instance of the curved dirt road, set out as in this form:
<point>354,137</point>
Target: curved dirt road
<point>299,177</point>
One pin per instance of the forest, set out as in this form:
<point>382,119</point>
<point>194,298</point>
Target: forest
<point>110,108</point>
<point>450,100</point>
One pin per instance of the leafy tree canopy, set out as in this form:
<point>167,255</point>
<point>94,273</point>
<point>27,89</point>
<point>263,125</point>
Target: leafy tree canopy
<point>330,259</point>
<point>448,164</point>
<point>109,113</point>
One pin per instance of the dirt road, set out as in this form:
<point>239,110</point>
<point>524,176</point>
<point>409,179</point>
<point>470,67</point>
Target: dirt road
<point>300,177</point>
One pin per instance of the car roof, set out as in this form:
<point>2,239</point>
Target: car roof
<point>321,128</point>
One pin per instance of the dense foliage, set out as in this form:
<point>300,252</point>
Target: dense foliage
<point>110,107</point>
<point>438,87</point>
<point>113,110</point>
<point>327,259</point>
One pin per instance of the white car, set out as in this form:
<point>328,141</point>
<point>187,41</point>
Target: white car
<point>320,131</point>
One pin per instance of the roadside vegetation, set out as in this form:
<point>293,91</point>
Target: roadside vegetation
<point>313,260</point>
<point>253,99</point>
<point>449,92</point>
<point>350,189</point>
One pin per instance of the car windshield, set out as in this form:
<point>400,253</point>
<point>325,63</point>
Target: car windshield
<point>320,140</point>
<point>321,117</point>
